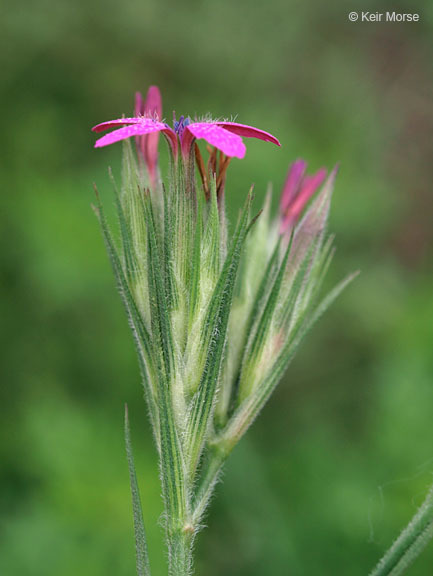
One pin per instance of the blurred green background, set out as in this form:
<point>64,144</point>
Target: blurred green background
<point>343,453</point>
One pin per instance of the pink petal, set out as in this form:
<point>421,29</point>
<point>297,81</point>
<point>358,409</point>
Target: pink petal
<point>314,181</point>
<point>128,131</point>
<point>112,123</point>
<point>309,187</point>
<point>292,184</point>
<point>149,144</point>
<point>248,131</point>
<point>230,144</point>
<point>153,103</point>
<point>139,104</point>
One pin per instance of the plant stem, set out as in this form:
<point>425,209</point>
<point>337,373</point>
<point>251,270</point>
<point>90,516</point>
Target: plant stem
<point>180,553</point>
<point>410,543</point>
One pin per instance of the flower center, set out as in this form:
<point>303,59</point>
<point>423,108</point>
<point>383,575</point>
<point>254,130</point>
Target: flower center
<point>180,124</point>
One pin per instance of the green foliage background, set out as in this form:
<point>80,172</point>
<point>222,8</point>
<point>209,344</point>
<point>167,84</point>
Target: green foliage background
<point>343,454</point>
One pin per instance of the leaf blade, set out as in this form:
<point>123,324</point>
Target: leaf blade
<point>172,466</point>
<point>140,333</point>
<point>141,551</point>
<point>214,340</point>
<point>248,411</point>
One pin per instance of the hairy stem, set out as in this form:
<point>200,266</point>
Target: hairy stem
<point>410,543</point>
<point>180,547</point>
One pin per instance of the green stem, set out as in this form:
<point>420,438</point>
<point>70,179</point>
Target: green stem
<point>180,547</point>
<point>410,543</point>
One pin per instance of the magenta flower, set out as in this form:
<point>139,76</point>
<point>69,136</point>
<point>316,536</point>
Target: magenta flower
<point>147,144</point>
<point>226,136</point>
<point>297,190</point>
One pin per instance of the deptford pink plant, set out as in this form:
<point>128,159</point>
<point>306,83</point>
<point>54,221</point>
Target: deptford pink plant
<point>216,319</point>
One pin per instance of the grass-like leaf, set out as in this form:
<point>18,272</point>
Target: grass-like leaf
<point>211,238</point>
<point>214,338</point>
<point>194,293</point>
<point>125,232</point>
<point>170,285</point>
<point>142,556</point>
<point>172,467</point>
<point>140,333</point>
<point>259,339</point>
<point>260,297</point>
<point>248,411</point>
<point>410,543</point>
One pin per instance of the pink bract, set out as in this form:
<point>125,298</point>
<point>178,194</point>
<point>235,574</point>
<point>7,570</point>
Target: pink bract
<point>297,191</point>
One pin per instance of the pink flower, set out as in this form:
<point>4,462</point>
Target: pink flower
<point>226,136</point>
<point>297,190</point>
<point>147,144</point>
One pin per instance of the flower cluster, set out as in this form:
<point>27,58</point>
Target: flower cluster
<point>216,318</point>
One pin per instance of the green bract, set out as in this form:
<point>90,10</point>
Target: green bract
<point>216,319</point>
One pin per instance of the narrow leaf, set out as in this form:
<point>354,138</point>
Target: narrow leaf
<point>214,336</point>
<point>172,472</point>
<point>139,330</point>
<point>127,244</point>
<point>211,237</point>
<point>248,411</point>
<point>259,299</point>
<point>142,556</point>
<point>258,340</point>
<point>410,543</point>
<point>170,288</point>
<point>195,265</point>
<point>235,358</point>
<point>330,299</point>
